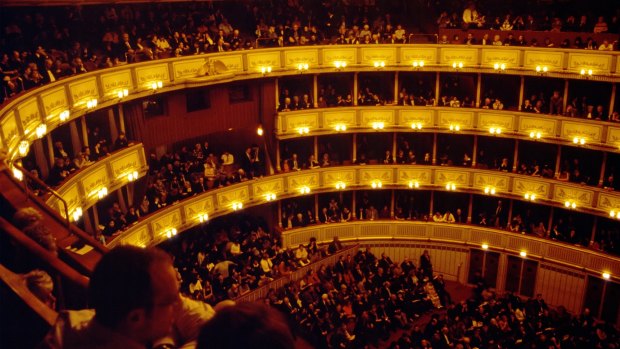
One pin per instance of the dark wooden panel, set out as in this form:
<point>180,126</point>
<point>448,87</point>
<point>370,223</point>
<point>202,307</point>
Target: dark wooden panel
<point>528,278</point>
<point>491,266</point>
<point>594,294</point>
<point>476,258</point>
<point>513,274</point>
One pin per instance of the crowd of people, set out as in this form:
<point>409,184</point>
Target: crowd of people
<point>41,48</point>
<point>185,173</point>
<point>361,299</point>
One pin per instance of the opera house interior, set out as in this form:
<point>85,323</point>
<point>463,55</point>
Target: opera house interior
<point>365,173</point>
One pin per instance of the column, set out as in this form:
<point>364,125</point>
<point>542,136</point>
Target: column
<point>316,207</point>
<point>521,91</point>
<point>355,88</point>
<point>121,118</point>
<point>354,149</point>
<point>353,208</point>
<point>509,213</point>
<point>613,98</point>
<point>130,190</point>
<point>315,90</point>
<point>470,208</point>
<point>76,144</point>
<point>437,86</point>
<point>84,130</point>
<point>278,161</point>
<point>39,157</point>
<point>558,162</point>
<point>392,205</point>
<point>550,221</point>
<point>431,206</point>
<point>516,157</point>
<point>112,122</point>
<point>88,224</point>
<point>95,217</point>
<point>50,149</point>
<point>594,227</point>
<point>396,88</point>
<point>280,213</point>
<point>121,200</point>
<point>474,156</point>
<point>434,149</point>
<point>565,100</point>
<point>601,179</point>
<point>277,84</point>
<point>478,90</point>
<point>316,148</point>
<point>394,145</point>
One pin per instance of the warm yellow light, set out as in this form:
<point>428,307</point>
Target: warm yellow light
<point>485,246</point>
<point>376,184</point>
<point>418,64</point>
<point>237,205</point>
<point>170,232</point>
<point>41,130</point>
<point>489,190</point>
<point>340,64</point>
<point>270,196</point>
<point>523,254</point>
<point>414,184</point>
<point>455,127</point>
<point>450,186</point>
<point>18,174</point>
<point>416,125</point>
<point>64,115</point>
<point>91,103</point>
<point>535,134</point>
<point>379,64</point>
<point>23,148</point>
<point>606,276</point>
<point>340,127</point>
<point>302,66</point>
<point>303,130</point>
<point>304,190</point>
<point>203,217</point>
<point>260,131</point>
<point>132,176</point>
<point>378,125</point>
<point>101,193</point>
<point>77,214</point>
<point>341,185</point>
<point>495,130</point>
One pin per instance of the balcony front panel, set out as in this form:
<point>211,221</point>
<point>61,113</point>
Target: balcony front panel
<point>188,213</point>
<point>82,189</point>
<point>71,98</point>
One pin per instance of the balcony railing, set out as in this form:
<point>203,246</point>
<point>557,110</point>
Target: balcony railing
<point>68,99</point>
<point>190,212</point>
<point>547,128</point>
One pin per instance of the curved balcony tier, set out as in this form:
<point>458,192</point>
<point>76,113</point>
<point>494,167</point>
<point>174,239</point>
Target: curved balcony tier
<point>64,100</point>
<point>511,124</point>
<point>191,212</point>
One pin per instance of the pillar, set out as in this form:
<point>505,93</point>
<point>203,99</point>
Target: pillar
<point>316,148</point>
<point>437,86</point>
<point>392,203</point>
<point>516,157</point>
<point>474,156</point>
<point>40,158</point>
<point>315,90</point>
<point>565,100</point>
<point>355,78</point>
<point>478,90</point>
<point>434,149</point>
<point>277,94</point>
<point>558,162</point>
<point>76,144</point>
<point>470,208</point>
<point>521,92</point>
<point>84,130</point>
<point>121,118</point>
<point>354,149</point>
<point>50,149</point>
<point>396,88</point>
<point>601,178</point>
<point>613,99</point>
<point>278,160</point>
<point>112,122</point>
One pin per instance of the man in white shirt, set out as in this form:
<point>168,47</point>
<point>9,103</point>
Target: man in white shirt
<point>228,160</point>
